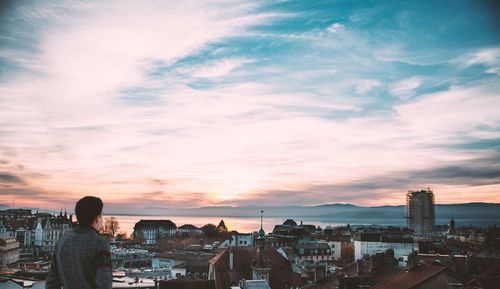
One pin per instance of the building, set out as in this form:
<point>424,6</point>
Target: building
<point>5,230</point>
<point>234,264</point>
<point>189,230</point>
<point>422,275</point>
<point>14,214</point>
<point>314,251</point>
<point>45,232</point>
<point>370,243</point>
<point>252,284</point>
<point>187,284</point>
<point>241,239</point>
<point>452,231</point>
<point>420,211</point>
<point>360,274</point>
<point>149,231</point>
<point>192,269</point>
<point>168,260</point>
<point>9,251</point>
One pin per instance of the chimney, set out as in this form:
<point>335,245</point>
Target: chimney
<point>231,260</point>
<point>359,267</point>
<point>412,261</point>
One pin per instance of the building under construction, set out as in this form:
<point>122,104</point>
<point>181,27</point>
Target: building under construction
<point>420,211</point>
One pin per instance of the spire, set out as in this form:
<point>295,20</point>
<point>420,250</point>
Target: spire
<point>261,231</point>
<point>261,217</point>
<point>451,229</point>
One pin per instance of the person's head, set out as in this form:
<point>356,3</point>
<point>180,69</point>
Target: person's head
<point>88,212</point>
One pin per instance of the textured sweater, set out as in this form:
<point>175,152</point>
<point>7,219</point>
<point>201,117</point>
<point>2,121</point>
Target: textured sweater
<point>81,261</point>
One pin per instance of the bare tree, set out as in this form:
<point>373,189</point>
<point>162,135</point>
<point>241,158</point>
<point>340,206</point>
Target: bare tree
<point>111,226</point>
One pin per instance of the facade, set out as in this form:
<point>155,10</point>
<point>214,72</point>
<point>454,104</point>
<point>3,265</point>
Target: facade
<point>420,211</point>
<point>370,243</point>
<point>14,214</point>
<point>149,231</point>
<point>46,232</point>
<point>189,230</point>
<point>9,251</point>
<point>240,239</point>
<point>335,249</point>
<point>43,232</point>
<point>314,251</point>
<point>4,230</point>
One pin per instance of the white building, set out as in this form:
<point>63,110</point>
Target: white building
<point>44,232</point>
<point>335,249</point>
<point>369,243</point>
<point>239,239</point>
<point>314,251</point>
<point>151,230</point>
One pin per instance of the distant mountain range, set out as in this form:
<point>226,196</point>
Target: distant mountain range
<point>464,214</point>
<point>477,214</point>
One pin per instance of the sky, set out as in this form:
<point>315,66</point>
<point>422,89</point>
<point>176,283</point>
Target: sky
<point>181,104</point>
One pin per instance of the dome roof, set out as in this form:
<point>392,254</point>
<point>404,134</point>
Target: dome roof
<point>290,222</point>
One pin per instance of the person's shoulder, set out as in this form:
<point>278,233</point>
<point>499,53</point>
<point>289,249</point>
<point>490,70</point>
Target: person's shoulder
<point>102,243</point>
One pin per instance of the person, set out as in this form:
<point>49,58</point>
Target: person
<point>82,258</point>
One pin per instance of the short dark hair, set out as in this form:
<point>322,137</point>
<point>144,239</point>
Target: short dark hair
<point>87,209</point>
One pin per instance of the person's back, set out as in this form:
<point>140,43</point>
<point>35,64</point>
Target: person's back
<point>82,258</point>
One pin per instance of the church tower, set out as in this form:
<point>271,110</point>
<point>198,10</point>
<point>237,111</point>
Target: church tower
<point>260,270</point>
<point>451,229</point>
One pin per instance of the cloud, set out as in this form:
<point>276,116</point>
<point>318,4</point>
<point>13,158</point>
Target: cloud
<point>366,85</point>
<point>206,103</point>
<point>476,172</point>
<point>219,68</point>
<point>335,27</point>
<point>10,178</point>
<point>406,88</point>
<point>489,57</point>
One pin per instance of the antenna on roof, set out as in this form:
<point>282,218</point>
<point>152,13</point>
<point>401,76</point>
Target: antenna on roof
<point>261,217</point>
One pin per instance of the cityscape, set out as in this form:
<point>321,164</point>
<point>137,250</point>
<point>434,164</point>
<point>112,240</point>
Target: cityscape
<point>266,144</point>
<point>294,254</point>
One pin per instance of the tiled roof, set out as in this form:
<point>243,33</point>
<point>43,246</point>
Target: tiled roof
<point>408,279</point>
<point>184,256</point>
<point>155,223</point>
<point>313,245</point>
<point>256,284</point>
<point>281,275</point>
<point>189,227</point>
<point>187,284</point>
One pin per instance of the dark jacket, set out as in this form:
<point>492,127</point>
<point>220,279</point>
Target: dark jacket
<point>81,261</point>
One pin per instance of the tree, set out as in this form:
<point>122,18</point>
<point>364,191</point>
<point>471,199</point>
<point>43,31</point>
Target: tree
<point>209,230</point>
<point>121,235</point>
<point>222,227</point>
<point>111,226</point>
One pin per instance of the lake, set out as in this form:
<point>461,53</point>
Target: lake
<point>240,224</point>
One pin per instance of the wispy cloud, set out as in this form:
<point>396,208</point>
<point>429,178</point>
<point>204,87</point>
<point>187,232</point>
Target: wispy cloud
<point>406,87</point>
<point>210,102</point>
